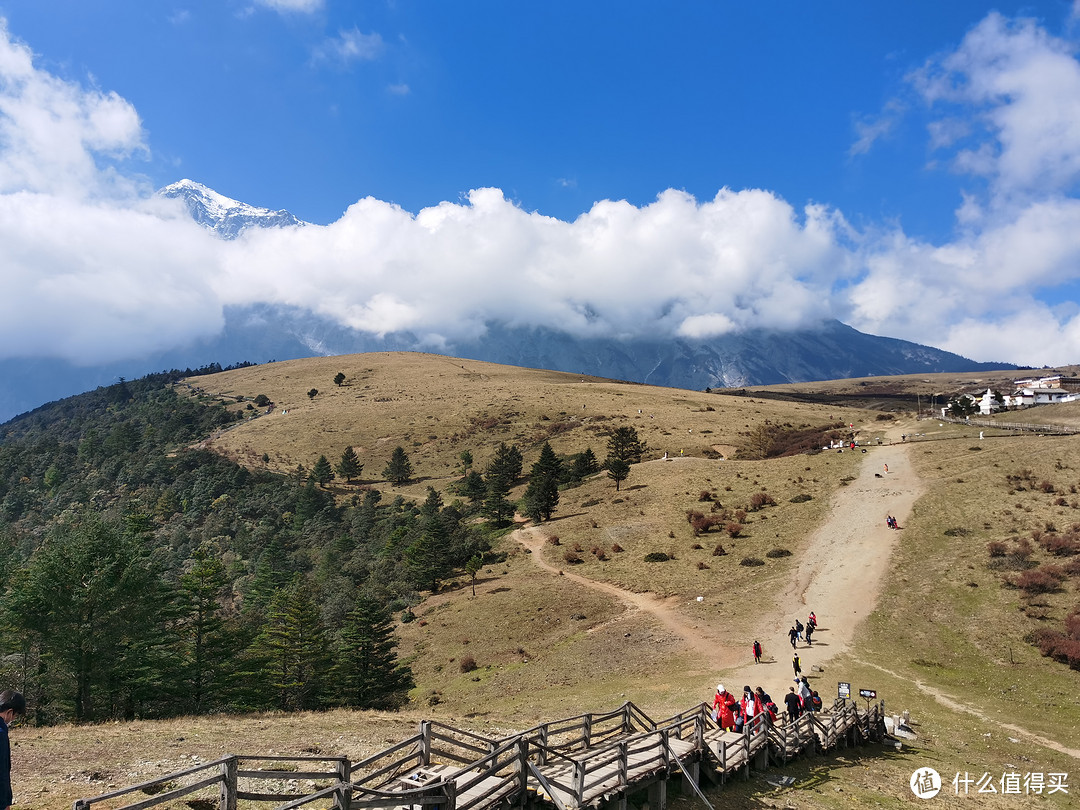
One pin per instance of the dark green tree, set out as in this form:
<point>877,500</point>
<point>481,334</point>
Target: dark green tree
<point>399,469</point>
<point>466,461</point>
<point>314,392</point>
<point>294,647</point>
<point>585,464</point>
<point>91,602</point>
<point>542,494</point>
<point>349,467</point>
<point>322,474</point>
<point>472,568</point>
<point>473,487</point>
<point>624,444</point>
<point>497,508</point>
<point>205,645</point>
<point>618,470</point>
<point>368,674</point>
<point>339,379</point>
<point>506,464</point>
<point>963,406</point>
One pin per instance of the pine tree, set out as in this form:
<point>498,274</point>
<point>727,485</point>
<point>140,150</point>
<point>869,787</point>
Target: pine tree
<point>293,645</point>
<point>585,464</point>
<point>399,469</point>
<point>472,568</point>
<point>624,444</point>
<point>542,494</point>
<point>506,464</point>
<point>368,674</point>
<point>618,470</point>
<point>321,473</point>
<point>205,644</point>
<point>349,467</point>
<point>473,487</point>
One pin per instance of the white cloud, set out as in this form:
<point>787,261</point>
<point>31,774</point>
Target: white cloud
<point>351,46</point>
<point>54,134</point>
<point>292,6</point>
<point>92,270</point>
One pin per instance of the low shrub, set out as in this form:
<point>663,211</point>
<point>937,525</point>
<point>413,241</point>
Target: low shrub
<point>733,529</point>
<point>572,557</point>
<point>657,556</point>
<point>759,500</point>
<point>468,663</point>
<point>802,497</point>
<point>997,548</point>
<point>702,566</point>
<point>719,551</point>
<point>750,562</point>
<point>704,496</point>
<point>777,553</point>
<point>616,547</point>
<point>1045,579</point>
<point>553,540</point>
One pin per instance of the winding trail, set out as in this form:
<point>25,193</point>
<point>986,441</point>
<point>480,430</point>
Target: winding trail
<point>839,575</point>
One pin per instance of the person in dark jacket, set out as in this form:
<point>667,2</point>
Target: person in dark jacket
<point>791,701</point>
<point>12,705</point>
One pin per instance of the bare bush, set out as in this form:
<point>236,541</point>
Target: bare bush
<point>468,663</point>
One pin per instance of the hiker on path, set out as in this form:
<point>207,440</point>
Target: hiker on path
<point>751,708</point>
<point>809,633</point>
<point>757,652</point>
<point>812,620</point>
<point>791,701</point>
<point>12,704</point>
<point>798,629</point>
<point>796,665</point>
<point>805,695</point>
<point>793,634</point>
<point>722,708</point>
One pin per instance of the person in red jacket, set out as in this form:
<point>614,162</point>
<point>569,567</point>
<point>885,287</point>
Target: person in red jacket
<point>722,708</point>
<point>752,709</point>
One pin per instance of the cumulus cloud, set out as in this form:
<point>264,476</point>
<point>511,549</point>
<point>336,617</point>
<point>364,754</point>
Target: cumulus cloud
<point>292,6</point>
<point>351,46</point>
<point>96,269</point>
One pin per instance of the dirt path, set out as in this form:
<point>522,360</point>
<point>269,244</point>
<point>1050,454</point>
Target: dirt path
<point>838,576</point>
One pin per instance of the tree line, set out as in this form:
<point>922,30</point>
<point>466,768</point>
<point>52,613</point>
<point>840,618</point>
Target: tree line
<point>140,577</point>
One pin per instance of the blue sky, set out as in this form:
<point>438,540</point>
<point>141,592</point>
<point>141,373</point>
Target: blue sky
<point>687,168</point>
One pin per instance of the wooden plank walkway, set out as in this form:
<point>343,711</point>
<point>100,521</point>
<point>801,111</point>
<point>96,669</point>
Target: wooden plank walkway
<point>590,760</point>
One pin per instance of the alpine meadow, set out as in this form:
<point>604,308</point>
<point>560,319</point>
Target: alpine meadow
<point>313,555</point>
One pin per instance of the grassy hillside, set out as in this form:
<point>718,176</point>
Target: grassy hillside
<point>948,628</point>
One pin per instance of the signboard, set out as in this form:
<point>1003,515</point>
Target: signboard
<point>869,694</point>
<point>843,690</point>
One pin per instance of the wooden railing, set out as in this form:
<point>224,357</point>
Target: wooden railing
<point>226,774</point>
<point>593,756</point>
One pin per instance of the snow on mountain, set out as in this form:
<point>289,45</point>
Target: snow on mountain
<point>226,217</point>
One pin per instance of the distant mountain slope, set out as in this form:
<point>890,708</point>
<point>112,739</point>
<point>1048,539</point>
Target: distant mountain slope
<point>264,332</point>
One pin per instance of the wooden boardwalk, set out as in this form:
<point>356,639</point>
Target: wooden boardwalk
<point>590,760</point>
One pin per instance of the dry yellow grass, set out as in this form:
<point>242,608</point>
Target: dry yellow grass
<point>548,647</point>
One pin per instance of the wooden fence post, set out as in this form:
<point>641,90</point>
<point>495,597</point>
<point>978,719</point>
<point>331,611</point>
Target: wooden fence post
<point>343,798</point>
<point>228,784</point>
<point>586,730</point>
<point>521,771</point>
<point>425,743</point>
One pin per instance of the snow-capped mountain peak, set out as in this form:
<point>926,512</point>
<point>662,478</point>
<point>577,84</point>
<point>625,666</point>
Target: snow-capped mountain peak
<point>226,217</point>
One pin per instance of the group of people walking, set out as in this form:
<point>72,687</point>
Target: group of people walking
<point>733,713</point>
<point>795,634</point>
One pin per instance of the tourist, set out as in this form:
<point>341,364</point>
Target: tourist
<point>757,651</point>
<point>12,704</point>
<point>804,694</point>
<point>751,708</point>
<point>791,701</point>
<point>812,620</point>
<point>796,665</point>
<point>793,634</point>
<point>799,629</point>
<point>809,633</point>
